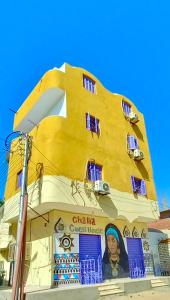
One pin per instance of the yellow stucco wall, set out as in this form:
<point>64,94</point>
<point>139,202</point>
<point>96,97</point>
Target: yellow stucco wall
<point>68,145</point>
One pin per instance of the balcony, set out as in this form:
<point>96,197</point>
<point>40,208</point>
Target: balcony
<point>59,192</point>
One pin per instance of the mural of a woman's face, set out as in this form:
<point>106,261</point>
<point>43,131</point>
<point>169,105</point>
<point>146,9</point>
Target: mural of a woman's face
<point>112,244</point>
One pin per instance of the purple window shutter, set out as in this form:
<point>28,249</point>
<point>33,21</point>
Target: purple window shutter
<point>96,125</point>
<point>90,86</point>
<point>126,108</point>
<point>136,143</point>
<point>131,142</point>
<point>19,179</point>
<point>93,88</point>
<point>143,188</point>
<point>88,125</point>
<point>87,84</point>
<point>138,185</point>
<point>133,184</point>
<point>84,81</point>
<point>98,172</point>
<point>91,171</point>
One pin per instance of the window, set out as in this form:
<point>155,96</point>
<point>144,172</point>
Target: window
<point>92,123</point>
<point>126,108</point>
<point>94,171</point>
<point>19,179</point>
<point>138,186</point>
<point>89,84</point>
<point>132,142</point>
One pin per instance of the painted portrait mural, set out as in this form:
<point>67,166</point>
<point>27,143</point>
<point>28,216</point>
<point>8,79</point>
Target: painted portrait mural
<point>115,259</point>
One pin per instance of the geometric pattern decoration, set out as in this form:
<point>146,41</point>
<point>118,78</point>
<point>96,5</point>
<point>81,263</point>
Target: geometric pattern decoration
<point>67,269</point>
<point>146,246</point>
<point>126,232</point>
<point>148,262</point>
<point>66,242</point>
<point>135,233</point>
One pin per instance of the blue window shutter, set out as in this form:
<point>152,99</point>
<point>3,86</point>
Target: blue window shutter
<point>143,188</point>
<point>88,126</point>
<point>133,184</point>
<point>131,142</point>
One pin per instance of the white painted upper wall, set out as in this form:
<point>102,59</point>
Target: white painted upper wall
<point>59,108</point>
<point>52,102</point>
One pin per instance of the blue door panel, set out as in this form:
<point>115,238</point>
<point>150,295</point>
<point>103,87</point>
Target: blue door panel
<point>90,259</point>
<point>135,257</point>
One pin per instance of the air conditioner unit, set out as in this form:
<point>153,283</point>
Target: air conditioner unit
<point>138,154</point>
<point>133,117</point>
<point>101,187</point>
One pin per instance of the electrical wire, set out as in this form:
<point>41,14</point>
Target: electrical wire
<point>81,188</point>
<point>68,184</point>
<point>6,169</point>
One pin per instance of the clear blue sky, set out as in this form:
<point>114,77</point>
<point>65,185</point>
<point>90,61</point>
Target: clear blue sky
<point>125,44</point>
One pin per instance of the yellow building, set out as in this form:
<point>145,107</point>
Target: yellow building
<point>90,183</point>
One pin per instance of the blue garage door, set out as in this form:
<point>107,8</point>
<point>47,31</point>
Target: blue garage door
<point>90,258</point>
<point>135,256</point>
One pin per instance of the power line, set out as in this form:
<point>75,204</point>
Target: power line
<point>82,189</point>
<point>15,112</point>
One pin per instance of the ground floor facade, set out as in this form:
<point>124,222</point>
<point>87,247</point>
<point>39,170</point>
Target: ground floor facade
<point>66,248</point>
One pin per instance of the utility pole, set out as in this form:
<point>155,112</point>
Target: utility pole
<point>17,287</point>
<point>23,190</point>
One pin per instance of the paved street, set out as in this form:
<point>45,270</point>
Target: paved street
<point>154,294</point>
<point>146,295</point>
